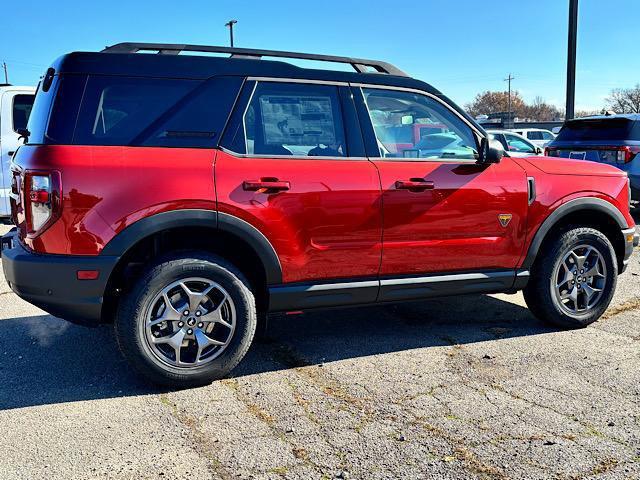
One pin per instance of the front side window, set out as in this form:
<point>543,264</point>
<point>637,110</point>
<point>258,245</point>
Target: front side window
<point>519,145</point>
<point>22,105</point>
<point>301,120</point>
<point>410,125</point>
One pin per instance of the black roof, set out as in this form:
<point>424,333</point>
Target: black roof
<point>124,59</point>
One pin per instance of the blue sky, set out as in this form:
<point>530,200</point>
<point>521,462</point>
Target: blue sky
<point>461,47</point>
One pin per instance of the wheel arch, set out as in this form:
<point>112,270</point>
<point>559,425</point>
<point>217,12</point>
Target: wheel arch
<point>220,233</point>
<point>588,212</point>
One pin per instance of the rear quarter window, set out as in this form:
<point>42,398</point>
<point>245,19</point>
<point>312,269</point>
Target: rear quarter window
<point>154,111</point>
<point>54,112</point>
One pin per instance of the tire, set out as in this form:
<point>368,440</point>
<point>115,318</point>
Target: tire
<point>546,303</point>
<point>183,277</point>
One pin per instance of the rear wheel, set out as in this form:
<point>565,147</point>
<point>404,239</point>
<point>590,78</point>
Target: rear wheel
<point>189,320</point>
<point>574,279</point>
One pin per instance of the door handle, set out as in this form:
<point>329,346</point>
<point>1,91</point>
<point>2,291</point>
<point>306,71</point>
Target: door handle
<point>266,185</point>
<point>415,184</point>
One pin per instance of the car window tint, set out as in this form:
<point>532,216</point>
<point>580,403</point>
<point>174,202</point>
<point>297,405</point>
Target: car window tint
<point>196,120</point>
<point>22,105</point>
<point>597,129</point>
<point>301,120</point>
<point>409,125</point>
<point>118,110</point>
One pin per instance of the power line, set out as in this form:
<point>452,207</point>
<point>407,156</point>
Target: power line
<point>509,79</point>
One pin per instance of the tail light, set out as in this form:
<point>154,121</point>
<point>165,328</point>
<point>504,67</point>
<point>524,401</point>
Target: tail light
<point>626,154</point>
<point>42,194</point>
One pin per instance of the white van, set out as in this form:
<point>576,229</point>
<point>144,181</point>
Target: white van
<point>15,107</point>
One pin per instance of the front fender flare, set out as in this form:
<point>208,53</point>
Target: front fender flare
<point>587,203</point>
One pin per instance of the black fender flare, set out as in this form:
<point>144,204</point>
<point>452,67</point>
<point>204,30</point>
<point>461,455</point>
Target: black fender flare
<point>587,203</point>
<point>159,222</point>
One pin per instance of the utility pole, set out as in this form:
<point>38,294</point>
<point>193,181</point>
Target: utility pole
<point>509,116</point>
<point>6,75</point>
<point>230,24</point>
<point>571,59</point>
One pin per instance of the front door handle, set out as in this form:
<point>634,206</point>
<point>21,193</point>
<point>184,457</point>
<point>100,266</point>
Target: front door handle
<point>266,185</point>
<point>415,184</point>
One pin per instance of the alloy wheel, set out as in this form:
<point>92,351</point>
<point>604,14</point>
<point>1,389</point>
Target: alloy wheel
<point>190,322</point>
<point>579,279</point>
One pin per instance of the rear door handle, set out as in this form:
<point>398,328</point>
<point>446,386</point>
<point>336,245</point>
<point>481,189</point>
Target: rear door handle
<point>415,184</point>
<point>267,185</point>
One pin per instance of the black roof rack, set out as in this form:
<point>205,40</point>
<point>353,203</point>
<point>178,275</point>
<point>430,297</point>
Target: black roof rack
<point>360,65</point>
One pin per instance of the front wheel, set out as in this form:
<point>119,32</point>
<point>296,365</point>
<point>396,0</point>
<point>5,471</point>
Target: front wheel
<point>574,279</point>
<point>189,320</point>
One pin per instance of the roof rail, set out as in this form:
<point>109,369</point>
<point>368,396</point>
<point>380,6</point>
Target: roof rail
<point>360,65</point>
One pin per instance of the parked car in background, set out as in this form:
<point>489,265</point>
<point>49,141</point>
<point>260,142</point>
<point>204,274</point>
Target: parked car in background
<point>15,107</point>
<point>538,136</point>
<point>610,139</point>
<point>516,145</point>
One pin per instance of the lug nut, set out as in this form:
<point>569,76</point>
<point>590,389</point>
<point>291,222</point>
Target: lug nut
<point>180,324</point>
<point>185,313</point>
<point>198,313</point>
<point>189,332</point>
<point>581,271</point>
<point>579,286</point>
<point>200,325</point>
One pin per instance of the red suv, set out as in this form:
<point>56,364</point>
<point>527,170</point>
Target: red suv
<point>184,197</point>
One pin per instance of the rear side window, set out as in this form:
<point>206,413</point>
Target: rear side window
<point>601,129</point>
<point>22,105</point>
<point>301,120</point>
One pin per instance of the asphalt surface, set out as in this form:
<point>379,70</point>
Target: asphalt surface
<point>467,387</point>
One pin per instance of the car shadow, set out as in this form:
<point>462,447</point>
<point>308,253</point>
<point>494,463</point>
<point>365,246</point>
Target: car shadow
<point>48,361</point>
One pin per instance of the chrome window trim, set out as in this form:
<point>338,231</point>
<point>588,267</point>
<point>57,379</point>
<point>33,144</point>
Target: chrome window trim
<point>289,157</point>
<point>297,80</point>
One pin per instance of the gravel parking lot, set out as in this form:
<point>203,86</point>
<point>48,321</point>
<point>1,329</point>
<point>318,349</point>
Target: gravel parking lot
<point>467,387</point>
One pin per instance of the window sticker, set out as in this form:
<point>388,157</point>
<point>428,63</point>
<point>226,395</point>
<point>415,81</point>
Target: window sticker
<point>296,120</point>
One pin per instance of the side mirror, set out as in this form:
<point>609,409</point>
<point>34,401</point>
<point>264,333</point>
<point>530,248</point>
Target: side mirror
<point>539,151</point>
<point>490,151</point>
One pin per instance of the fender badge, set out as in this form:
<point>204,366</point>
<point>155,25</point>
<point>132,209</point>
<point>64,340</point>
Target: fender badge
<point>504,218</point>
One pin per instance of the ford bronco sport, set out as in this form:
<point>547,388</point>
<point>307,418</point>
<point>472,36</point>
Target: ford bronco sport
<point>184,197</point>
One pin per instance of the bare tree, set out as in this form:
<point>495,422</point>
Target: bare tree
<point>541,111</point>
<point>487,103</point>
<point>625,100</point>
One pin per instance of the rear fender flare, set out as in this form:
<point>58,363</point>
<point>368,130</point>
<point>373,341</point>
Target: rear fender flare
<point>148,226</point>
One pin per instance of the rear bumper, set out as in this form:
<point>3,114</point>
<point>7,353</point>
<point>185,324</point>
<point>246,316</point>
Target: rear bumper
<point>50,281</point>
<point>631,239</point>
